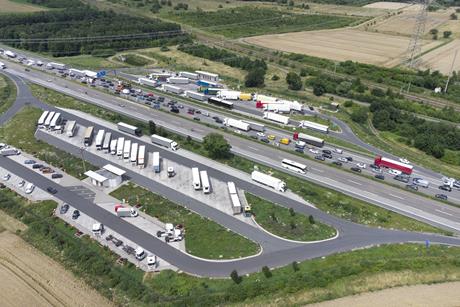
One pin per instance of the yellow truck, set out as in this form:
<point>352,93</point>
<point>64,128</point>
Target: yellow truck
<point>245,96</point>
<point>285,141</point>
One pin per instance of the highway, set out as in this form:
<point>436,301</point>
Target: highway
<point>392,198</point>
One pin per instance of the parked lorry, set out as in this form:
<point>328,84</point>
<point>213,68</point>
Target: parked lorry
<point>113,146</point>
<point>393,164</point>
<point>98,228</point>
<point>70,128</point>
<point>245,96</point>
<point>148,82</point>
<point>195,95</point>
<point>2,65</point>
<point>205,182</point>
<point>53,65</point>
<point>314,126</point>
<point>172,89</point>
<point>100,139</point>
<point>107,140</point>
<point>277,108</point>
<point>308,139</point>
<point>134,153</point>
<point>162,141</point>
<point>236,204</point>
<point>41,120</point>
<point>230,122</point>
<point>120,145</point>
<point>156,162</point>
<point>129,129</point>
<point>125,212</point>
<point>256,126</point>
<point>177,80</point>
<point>141,157</point>
<point>276,118</point>
<point>189,75</point>
<point>126,150</point>
<point>268,180</point>
<point>228,94</point>
<point>9,151</point>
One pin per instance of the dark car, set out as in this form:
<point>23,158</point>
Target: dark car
<point>338,163</point>
<point>327,151</point>
<point>56,176</point>
<point>198,112</point>
<point>265,140</point>
<point>29,162</point>
<point>51,190</point>
<point>401,178</point>
<point>75,214</point>
<point>445,188</point>
<point>196,118</point>
<point>350,159</point>
<point>191,111</point>
<point>109,238</point>
<point>441,196</point>
<point>380,176</point>
<point>321,158</point>
<point>161,99</point>
<point>373,166</point>
<point>35,166</point>
<point>219,121</point>
<point>117,242</point>
<point>412,187</point>
<point>174,110</point>
<point>326,155</point>
<point>300,150</point>
<point>356,169</point>
<point>252,136</point>
<point>64,208</point>
<point>215,117</point>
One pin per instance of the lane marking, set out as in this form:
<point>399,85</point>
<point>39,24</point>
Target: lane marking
<point>443,212</point>
<point>396,196</point>
<point>357,183</point>
<point>256,149</point>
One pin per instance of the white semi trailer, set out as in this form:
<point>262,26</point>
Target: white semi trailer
<point>230,122</point>
<point>268,180</point>
<point>162,141</point>
<point>276,118</point>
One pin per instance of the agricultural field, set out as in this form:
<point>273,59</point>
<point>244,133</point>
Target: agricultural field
<point>334,9</point>
<point>249,21</point>
<point>441,58</point>
<point>29,278</point>
<point>343,44</point>
<point>7,6</point>
<point>387,5</point>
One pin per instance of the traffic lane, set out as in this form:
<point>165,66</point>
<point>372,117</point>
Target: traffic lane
<point>268,242</point>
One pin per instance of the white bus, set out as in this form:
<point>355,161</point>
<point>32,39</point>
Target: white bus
<point>196,178</point>
<point>100,139</point>
<point>126,150</point>
<point>70,128</point>
<point>120,144</point>
<point>294,166</point>
<point>41,120</point>
<point>156,162</point>
<point>205,182</point>
<point>55,121</point>
<point>134,151</point>
<point>49,118</point>
<point>141,157</point>
<point>113,147</point>
<point>107,140</point>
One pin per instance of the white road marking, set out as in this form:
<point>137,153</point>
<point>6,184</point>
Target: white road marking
<point>396,196</point>
<point>256,149</point>
<point>443,212</point>
<point>357,183</point>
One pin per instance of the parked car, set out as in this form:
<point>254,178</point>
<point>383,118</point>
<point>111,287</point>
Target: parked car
<point>373,166</point>
<point>30,188</point>
<point>261,134</point>
<point>117,242</point>
<point>21,183</point>
<point>404,160</point>
<point>314,151</point>
<point>37,166</point>
<point>339,151</point>
<point>356,169</point>
<point>380,176</point>
<point>445,188</point>
<point>29,162</point>
<point>56,176</point>
<point>196,118</point>
<point>421,182</point>
<point>441,196</point>
<point>376,170</point>
<point>51,190</point>
<point>64,208</point>
<point>75,214</point>
<point>7,177</point>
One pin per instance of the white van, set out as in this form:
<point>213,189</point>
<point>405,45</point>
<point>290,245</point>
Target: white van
<point>140,253</point>
<point>30,188</point>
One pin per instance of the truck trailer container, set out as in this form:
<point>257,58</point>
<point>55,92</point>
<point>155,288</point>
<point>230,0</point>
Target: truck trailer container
<point>41,120</point>
<point>172,89</point>
<point>204,75</point>
<point>195,95</point>
<point>147,82</point>
<point>55,121</point>
<point>314,126</point>
<point>88,138</point>
<point>49,118</point>
<point>393,164</point>
<point>210,91</point>
<point>133,154</point>
<point>308,139</point>
<point>236,204</point>
<point>141,157</point>
<point>265,99</point>
<point>245,96</point>
<point>196,181</point>
<point>107,140</point>
<point>208,84</point>
<point>162,141</point>
<point>125,212</point>
<point>126,150</point>
<point>156,162</point>
<point>54,65</point>
<point>177,80</point>
<point>277,108</point>
<point>113,146</point>
<point>100,139</point>
<point>227,94</point>
<point>205,182</point>
<point>70,128</point>
<point>120,145</point>
<point>276,118</point>
<point>230,122</point>
<point>76,73</point>
<point>129,129</point>
<point>256,126</point>
<point>190,75</point>
<point>268,180</point>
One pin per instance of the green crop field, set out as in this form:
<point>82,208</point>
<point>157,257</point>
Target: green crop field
<point>250,21</point>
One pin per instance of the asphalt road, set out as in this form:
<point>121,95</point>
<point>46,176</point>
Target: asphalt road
<point>392,198</point>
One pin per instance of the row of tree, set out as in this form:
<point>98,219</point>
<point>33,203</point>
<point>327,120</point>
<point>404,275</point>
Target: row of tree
<point>84,30</point>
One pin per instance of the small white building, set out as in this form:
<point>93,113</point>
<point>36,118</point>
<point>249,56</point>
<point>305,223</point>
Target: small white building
<point>109,176</point>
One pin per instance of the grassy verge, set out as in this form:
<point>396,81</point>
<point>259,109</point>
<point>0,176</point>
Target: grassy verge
<point>7,93</point>
<point>305,282</point>
<point>88,62</point>
<point>19,132</point>
<point>287,223</point>
<point>201,233</point>
<point>134,59</point>
<point>324,198</point>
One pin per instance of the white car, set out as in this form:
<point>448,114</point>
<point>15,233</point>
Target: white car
<point>361,165</point>
<point>404,160</point>
<point>342,159</point>
<point>151,260</point>
<point>21,183</point>
<point>394,172</point>
<point>314,151</point>
<point>421,182</point>
<point>29,188</point>
<point>260,134</point>
<point>7,177</point>
<point>339,151</point>
<point>237,131</point>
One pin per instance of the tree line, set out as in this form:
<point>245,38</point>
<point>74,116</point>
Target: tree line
<point>85,22</point>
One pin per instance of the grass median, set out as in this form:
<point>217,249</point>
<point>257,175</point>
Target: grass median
<point>7,93</point>
<point>19,132</point>
<point>286,223</point>
<point>309,281</point>
<point>204,238</point>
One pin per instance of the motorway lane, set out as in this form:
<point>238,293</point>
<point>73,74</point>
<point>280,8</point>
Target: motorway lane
<point>356,237</point>
<point>386,196</point>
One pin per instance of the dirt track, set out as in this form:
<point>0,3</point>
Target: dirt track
<point>438,295</point>
<point>29,278</point>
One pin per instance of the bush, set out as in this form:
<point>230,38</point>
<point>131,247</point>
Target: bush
<point>235,277</point>
<point>359,115</point>
<point>348,104</point>
<point>294,82</point>
<point>255,78</point>
<point>311,219</point>
<point>267,272</point>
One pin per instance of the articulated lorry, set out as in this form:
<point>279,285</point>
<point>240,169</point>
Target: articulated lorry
<point>162,141</point>
<point>393,164</point>
<point>230,122</point>
<point>269,181</point>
